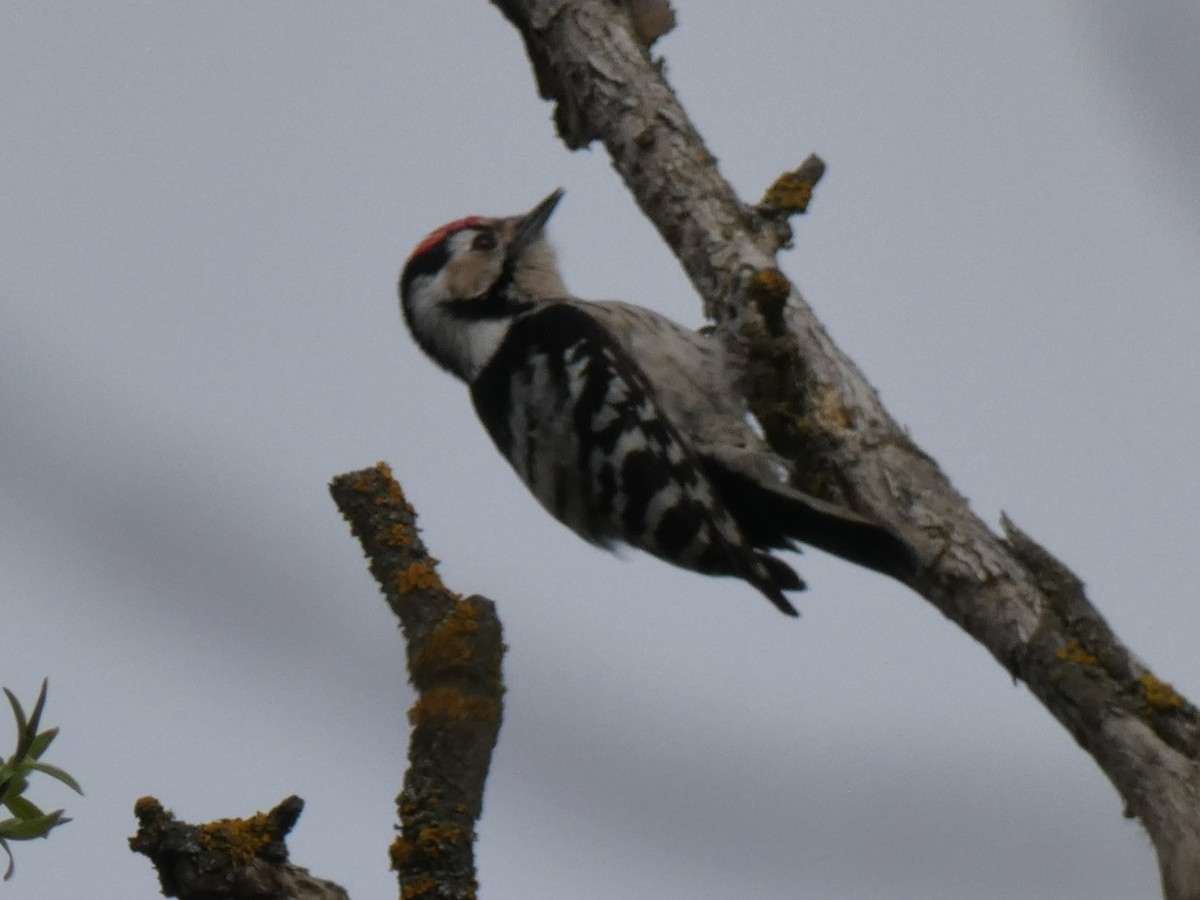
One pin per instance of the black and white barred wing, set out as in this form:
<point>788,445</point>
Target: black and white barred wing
<point>579,422</point>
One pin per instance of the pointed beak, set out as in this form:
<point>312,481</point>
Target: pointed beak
<point>530,226</point>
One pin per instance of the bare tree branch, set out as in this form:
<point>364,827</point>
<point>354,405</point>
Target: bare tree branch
<point>230,859</point>
<point>454,654</point>
<point>454,650</point>
<point>819,410</point>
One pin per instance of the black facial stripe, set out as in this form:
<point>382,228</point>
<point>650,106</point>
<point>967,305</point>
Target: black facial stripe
<point>492,305</point>
<point>428,263</point>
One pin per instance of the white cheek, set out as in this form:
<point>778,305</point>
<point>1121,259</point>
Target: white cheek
<point>464,346</point>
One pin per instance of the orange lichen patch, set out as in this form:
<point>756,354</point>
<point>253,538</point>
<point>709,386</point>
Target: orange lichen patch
<point>433,838</point>
<point>452,703</point>
<point>1075,653</point>
<point>768,290</point>
<point>394,495</point>
<point>421,576</point>
<point>397,535</point>
<point>400,852</point>
<point>449,647</point>
<point>769,285</point>
<point>421,886</point>
<point>1159,695</point>
<point>790,193</point>
<point>241,839</point>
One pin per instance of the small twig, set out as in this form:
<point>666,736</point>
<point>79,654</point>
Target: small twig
<point>791,192</point>
<point>789,195</point>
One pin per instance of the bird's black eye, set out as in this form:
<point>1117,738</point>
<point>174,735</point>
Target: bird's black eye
<point>485,240</point>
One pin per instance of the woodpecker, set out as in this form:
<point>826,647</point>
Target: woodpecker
<point>625,426</point>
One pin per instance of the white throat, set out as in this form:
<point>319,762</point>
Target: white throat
<point>471,346</point>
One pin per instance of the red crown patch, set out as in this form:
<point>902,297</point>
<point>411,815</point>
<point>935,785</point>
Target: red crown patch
<point>438,235</point>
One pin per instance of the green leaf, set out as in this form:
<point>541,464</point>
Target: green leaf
<point>56,772</point>
<point>23,808</point>
<point>28,821</point>
<point>27,728</point>
<point>15,786</point>
<point>41,742</point>
<point>28,829</point>
<point>19,715</point>
<point>36,716</point>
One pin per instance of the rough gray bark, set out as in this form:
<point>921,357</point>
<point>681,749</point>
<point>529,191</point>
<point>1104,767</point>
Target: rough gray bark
<point>1004,590</point>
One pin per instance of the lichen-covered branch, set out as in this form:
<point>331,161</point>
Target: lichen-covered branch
<point>230,859</point>
<point>454,653</point>
<point>454,649</point>
<point>819,410</point>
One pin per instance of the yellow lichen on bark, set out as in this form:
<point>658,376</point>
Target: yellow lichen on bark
<point>400,852</point>
<point>452,703</point>
<point>422,576</point>
<point>420,886</point>
<point>432,838</point>
<point>791,192</point>
<point>1159,695</point>
<point>770,285</point>
<point>394,496</point>
<point>241,839</point>
<point>1075,653</point>
<point>768,290</point>
<point>397,535</point>
<point>448,647</point>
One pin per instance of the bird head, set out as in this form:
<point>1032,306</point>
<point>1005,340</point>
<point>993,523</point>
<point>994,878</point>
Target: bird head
<point>466,281</point>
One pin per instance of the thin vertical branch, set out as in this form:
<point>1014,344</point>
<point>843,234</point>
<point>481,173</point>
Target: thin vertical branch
<point>454,650</point>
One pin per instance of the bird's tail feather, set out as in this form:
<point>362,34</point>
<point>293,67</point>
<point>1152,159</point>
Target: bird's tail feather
<point>775,515</point>
<point>780,577</point>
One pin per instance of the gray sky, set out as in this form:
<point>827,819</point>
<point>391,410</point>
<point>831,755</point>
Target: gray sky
<point>204,209</point>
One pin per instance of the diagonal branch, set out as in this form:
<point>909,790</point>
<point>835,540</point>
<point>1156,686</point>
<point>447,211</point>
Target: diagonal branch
<point>819,410</point>
<point>454,652</point>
